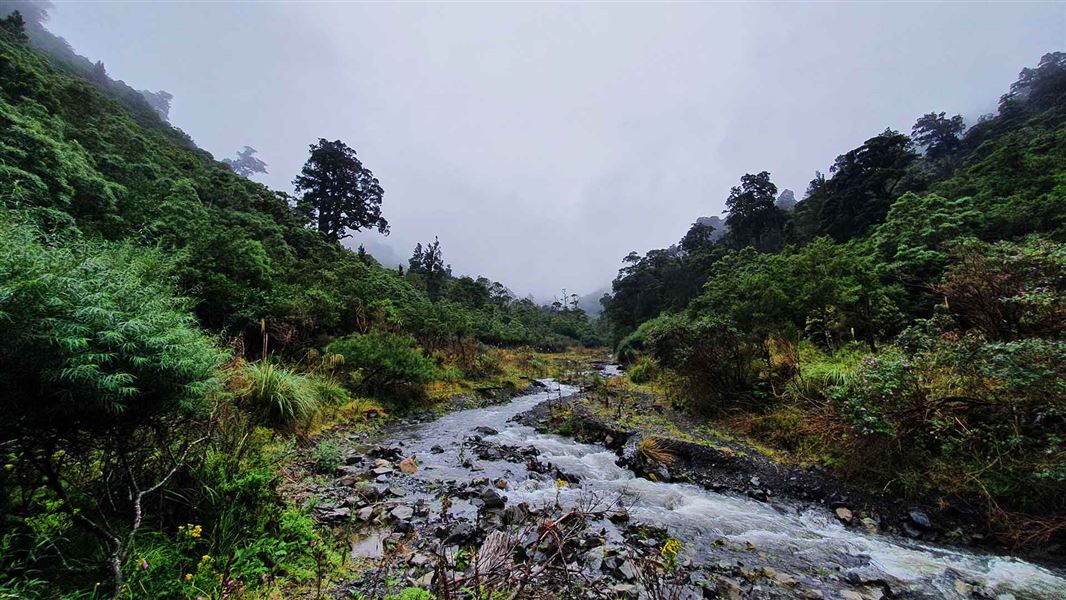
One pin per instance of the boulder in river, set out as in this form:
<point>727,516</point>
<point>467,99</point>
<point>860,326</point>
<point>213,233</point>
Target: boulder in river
<point>408,466</point>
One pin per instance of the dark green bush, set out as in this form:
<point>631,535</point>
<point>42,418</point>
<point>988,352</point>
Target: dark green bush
<point>384,363</point>
<point>709,355</point>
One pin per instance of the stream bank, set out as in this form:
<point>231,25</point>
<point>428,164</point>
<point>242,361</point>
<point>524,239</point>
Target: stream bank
<point>551,517</point>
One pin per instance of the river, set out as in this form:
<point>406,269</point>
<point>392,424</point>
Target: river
<point>807,540</point>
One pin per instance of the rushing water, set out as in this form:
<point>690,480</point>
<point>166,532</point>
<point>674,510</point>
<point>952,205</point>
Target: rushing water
<point>795,539</point>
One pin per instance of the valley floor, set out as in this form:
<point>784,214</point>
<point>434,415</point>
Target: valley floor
<point>490,497</point>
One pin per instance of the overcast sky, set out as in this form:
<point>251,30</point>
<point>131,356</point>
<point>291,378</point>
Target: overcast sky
<point>543,142</point>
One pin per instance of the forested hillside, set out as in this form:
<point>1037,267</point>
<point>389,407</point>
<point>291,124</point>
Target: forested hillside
<point>902,325</point>
<point>172,329</point>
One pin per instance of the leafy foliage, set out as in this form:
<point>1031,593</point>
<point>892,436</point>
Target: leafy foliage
<point>94,336</point>
<point>947,266</point>
<point>339,193</point>
<point>384,363</point>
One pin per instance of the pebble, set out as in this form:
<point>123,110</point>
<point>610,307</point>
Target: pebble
<point>408,466</point>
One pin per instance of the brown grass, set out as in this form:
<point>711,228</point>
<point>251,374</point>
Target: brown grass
<point>656,450</point>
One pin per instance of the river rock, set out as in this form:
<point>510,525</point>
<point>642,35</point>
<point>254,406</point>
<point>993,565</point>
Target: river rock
<point>365,514</point>
<point>920,519</point>
<point>402,512</point>
<point>425,581</point>
<point>594,558</point>
<point>483,430</point>
<point>461,533</point>
<point>492,498</point>
<point>387,453</point>
<point>437,450</point>
<point>869,525</point>
<point>382,463</point>
<point>845,514</point>
<point>329,514</point>
<point>408,466</point>
<point>784,579</point>
<point>501,484</point>
<point>380,471</point>
<point>625,590</point>
<point>626,571</point>
<point>729,589</point>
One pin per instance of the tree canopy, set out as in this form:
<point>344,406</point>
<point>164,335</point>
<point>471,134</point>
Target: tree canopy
<point>337,194</point>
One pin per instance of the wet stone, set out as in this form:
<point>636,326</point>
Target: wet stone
<point>332,514</point>
<point>920,519</point>
<point>460,533</point>
<point>493,499</point>
<point>402,512</point>
<point>387,453</point>
<point>627,570</point>
<point>869,525</point>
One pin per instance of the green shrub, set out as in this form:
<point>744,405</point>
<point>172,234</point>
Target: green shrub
<point>328,456</point>
<point>94,335</point>
<point>643,371</point>
<point>710,357</point>
<point>979,419</point>
<point>384,363</point>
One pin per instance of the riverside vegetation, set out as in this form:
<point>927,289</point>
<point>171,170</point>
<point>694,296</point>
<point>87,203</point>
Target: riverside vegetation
<point>173,331</point>
<point>191,358</point>
<point>901,325</point>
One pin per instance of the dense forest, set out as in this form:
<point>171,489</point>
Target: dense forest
<point>901,324</point>
<point>172,326</point>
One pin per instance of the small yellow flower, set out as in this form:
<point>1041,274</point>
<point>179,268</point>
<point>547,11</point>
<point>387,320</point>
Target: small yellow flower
<point>205,558</point>
<point>188,577</point>
<point>671,547</point>
<point>560,483</point>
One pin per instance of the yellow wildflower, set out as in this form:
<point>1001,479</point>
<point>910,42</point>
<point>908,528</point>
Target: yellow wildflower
<point>671,547</point>
<point>188,577</point>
